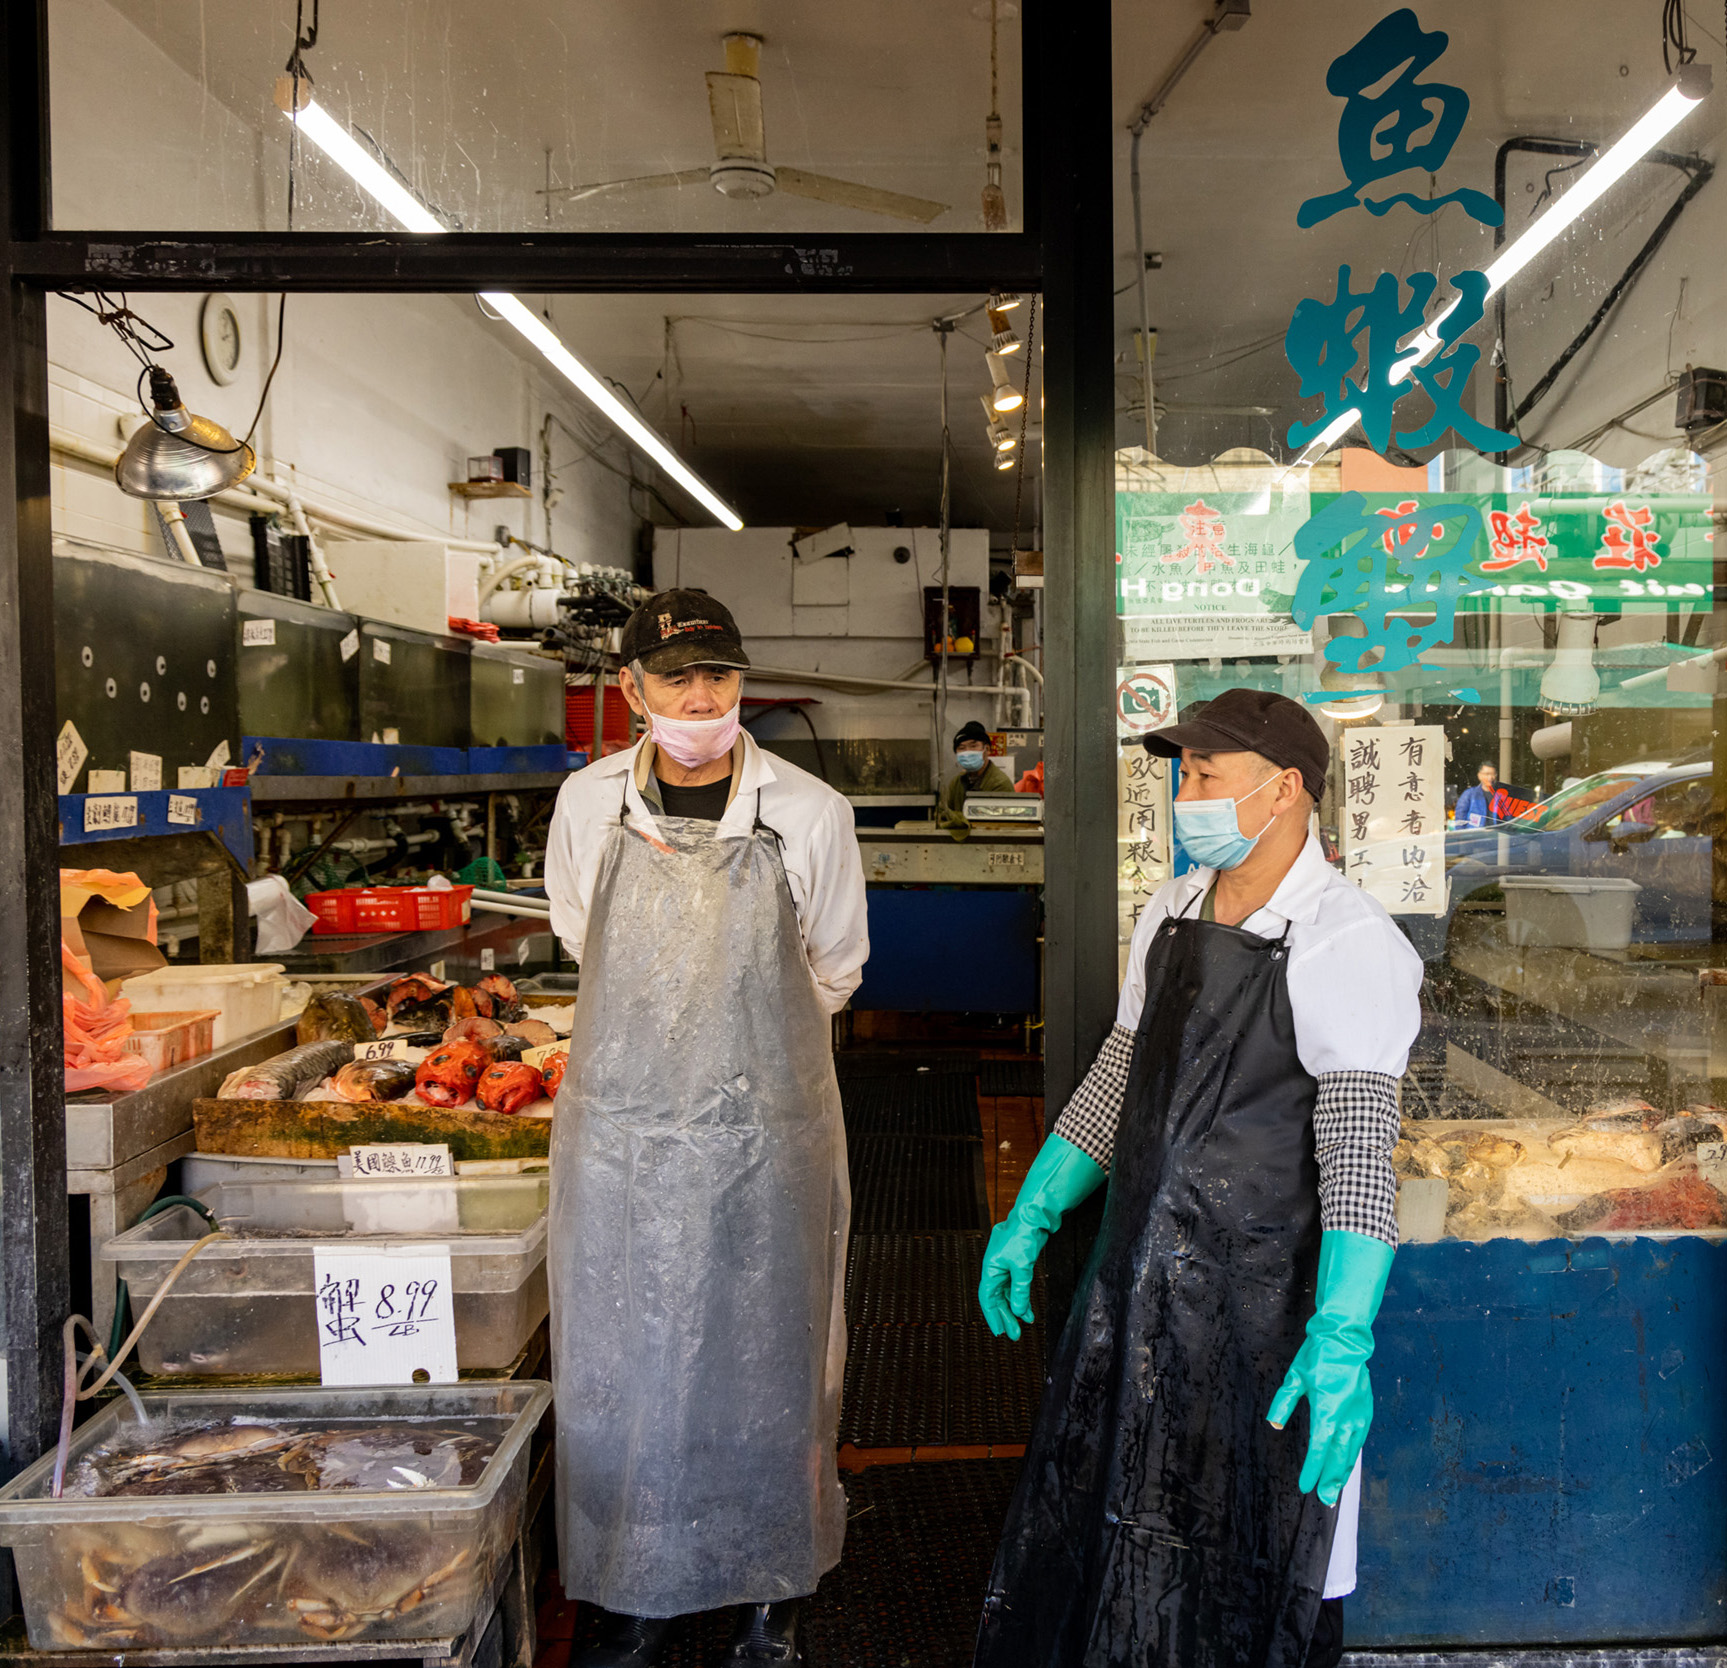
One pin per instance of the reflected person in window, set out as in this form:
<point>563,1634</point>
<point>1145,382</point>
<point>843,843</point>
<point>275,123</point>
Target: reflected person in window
<point>1487,803</point>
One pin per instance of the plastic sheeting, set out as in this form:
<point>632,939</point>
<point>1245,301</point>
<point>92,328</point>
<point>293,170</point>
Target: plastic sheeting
<point>699,1210</point>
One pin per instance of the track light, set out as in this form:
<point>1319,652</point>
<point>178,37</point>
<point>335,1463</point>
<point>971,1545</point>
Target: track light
<point>1004,301</point>
<point>1571,685</point>
<point>1005,397</point>
<point>1006,340</point>
<point>316,124</point>
<point>1001,436</point>
<point>1004,460</point>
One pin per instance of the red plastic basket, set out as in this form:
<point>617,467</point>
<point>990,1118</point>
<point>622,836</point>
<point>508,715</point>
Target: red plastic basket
<point>389,908</point>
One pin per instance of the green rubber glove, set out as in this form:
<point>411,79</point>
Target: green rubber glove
<point>1059,1178</point>
<point>1330,1368</point>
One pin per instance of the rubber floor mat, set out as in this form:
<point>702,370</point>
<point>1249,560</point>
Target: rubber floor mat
<point>935,1104</point>
<point>1010,1077</point>
<point>895,1062</point>
<point>901,1279</point>
<point>994,1385</point>
<point>910,1184</point>
<point>936,1385</point>
<point>909,1589</point>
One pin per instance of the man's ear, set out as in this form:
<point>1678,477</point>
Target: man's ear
<point>632,695</point>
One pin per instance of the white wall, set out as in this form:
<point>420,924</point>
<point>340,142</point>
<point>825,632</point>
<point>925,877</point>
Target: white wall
<point>876,633</point>
<point>379,400</point>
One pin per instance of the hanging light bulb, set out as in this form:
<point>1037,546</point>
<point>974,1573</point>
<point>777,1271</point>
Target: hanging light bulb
<point>1354,696</point>
<point>1006,339</point>
<point>1571,685</point>
<point>1006,397</point>
<point>1001,436</point>
<point>177,455</point>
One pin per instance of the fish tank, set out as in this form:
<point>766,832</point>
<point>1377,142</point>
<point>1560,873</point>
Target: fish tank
<point>274,1517</point>
<point>246,1305</point>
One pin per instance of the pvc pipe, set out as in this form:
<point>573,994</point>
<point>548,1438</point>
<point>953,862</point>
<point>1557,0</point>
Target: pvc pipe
<point>499,574</point>
<point>522,610</point>
<point>174,525</point>
<point>483,895</point>
<point>790,674</point>
<point>315,557</point>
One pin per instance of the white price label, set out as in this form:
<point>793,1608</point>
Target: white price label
<point>385,1317</point>
<point>258,634</point>
<point>69,756</point>
<point>381,651</point>
<point>518,674</point>
<point>488,960</point>
<point>182,810</point>
<point>194,776</point>
<point>390,1048</point>
<point>107,781</point>
<point>392,737</point>
<point>115,811</point>
<point>404,1159</point>
<point>351,645</point>
<point>218,759</point>
<point>146,772</point>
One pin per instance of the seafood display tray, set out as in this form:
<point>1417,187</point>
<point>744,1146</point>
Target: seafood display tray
<point>246,1306</point>
<point>419,1564</point>
<point>327,1129</point>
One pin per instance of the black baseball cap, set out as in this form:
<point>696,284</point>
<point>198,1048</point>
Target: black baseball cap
<point>971,731</point>
<point>1251,721</point>
<point>676,629</point>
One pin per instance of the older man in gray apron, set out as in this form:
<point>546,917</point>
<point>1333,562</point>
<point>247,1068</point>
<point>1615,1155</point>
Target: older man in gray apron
<point>1245,1108</point>
<point>699,1200</point>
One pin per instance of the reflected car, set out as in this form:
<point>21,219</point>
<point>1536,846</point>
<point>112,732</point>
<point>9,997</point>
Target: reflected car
<point>1648,823</point>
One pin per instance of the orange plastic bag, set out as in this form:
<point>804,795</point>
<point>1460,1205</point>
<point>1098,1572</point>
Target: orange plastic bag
<point>96,1032</point>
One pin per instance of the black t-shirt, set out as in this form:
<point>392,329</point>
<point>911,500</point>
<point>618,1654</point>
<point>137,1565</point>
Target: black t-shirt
<point>708,803</point>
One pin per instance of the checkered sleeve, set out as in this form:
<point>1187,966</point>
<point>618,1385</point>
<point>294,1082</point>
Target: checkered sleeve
<point>1355,1125</point>
<point>1089,1119</point>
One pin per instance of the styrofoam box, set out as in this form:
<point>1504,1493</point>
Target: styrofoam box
<point>246,995</point>
<point>1569,912</point>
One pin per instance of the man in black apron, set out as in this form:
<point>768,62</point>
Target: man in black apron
<point>1244,1108</point>
<point>699,1199</point>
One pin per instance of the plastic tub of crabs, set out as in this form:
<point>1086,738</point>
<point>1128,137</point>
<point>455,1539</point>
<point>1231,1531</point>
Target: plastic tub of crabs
<point>246,1306</point>
<point>274,1517</point>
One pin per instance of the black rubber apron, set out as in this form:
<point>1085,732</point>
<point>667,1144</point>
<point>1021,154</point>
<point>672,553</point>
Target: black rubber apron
<point>1158,1520</point>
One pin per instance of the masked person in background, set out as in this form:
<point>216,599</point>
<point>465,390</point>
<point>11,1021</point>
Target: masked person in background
<point>699,1195</point>
<point>976,775</point>
<point>1244,1110</point>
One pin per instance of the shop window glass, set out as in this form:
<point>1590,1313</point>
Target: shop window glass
<point>584,117</point>
<point>1504,557</point>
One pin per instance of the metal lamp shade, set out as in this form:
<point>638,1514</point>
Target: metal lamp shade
<point>179,455</point>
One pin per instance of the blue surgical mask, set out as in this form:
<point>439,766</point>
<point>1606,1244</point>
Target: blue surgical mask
<point>1211,835</point>
<point>970,760</point>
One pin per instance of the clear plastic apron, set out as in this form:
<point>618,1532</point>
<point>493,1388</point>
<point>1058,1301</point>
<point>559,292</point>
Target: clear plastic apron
<point>698,1220</point>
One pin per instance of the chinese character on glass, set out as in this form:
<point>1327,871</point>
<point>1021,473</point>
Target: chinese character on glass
<point>1389,127</point>
<point>1321,344</point>
<point>1515,537</point>
<point>1363,789</point>
<point>1202,527</point>
<point>1415,890</point>
<point>1358,825</point>
<point>1359,580</point>
<point>1630,540</point>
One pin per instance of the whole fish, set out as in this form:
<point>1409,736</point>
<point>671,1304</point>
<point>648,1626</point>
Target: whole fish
<point>285,1076</point>
<point>374,1080</point>
<point>509,1086</point>
<point>334,1014</point>
<point>446,1077</point>
<point>552,1070</point>
<point>414,988</point>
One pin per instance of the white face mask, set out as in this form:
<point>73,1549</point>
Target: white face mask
<point>696,741</point>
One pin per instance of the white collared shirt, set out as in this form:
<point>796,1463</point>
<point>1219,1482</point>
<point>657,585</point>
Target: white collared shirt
<point>1354,979</point>
<point>823,864</point>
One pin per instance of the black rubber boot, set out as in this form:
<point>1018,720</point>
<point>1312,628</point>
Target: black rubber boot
<point>1326,1651</point>
<point>767,1633</point>
<point>627,1642</point>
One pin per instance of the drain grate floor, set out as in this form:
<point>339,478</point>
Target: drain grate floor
<point>901,1279</point>
<point>920,1542</point>
<point>1010,1077</point>
<point>911,1184</point>
<point>934,1104</point>
<point>930,1384</point>
<point>902,1062</point>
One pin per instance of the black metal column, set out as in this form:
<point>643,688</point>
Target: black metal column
<point>33,1242</point>
<point>1077,184</point>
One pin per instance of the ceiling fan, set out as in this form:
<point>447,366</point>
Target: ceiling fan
<point>741,168</point>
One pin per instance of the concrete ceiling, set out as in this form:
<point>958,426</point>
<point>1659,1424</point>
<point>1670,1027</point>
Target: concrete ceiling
<point>809,410</point>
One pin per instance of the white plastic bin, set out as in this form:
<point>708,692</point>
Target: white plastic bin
<point>246,995</point>
<point>247,1305</point>
<point>1569,912</point>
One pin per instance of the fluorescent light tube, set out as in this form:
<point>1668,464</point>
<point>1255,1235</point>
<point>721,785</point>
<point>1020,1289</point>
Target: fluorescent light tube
<point>402,205</point>
<point>1601,176</point>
